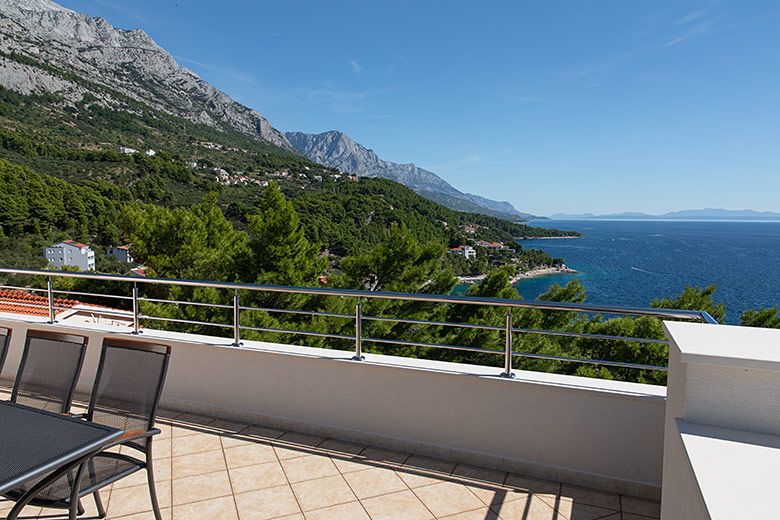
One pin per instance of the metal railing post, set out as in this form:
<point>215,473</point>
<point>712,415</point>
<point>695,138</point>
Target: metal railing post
<point>508,347</point>
<point>50,289</point>
<point>136,310</point>
<point>236,321</point>
<point>359,332</point>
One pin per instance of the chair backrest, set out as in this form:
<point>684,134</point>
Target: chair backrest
<point>128,384</point>
<point>5,339</point>
<point>49,369</point>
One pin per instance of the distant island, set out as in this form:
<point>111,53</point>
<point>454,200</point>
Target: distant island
<point>688,214</point>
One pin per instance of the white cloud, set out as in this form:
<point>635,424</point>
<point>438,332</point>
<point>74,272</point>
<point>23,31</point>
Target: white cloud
<point>358,69</point>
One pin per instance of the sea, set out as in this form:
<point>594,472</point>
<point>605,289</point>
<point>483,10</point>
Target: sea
<point>630,263</point>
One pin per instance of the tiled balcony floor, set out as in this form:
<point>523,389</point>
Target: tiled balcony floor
<point>213,469</point>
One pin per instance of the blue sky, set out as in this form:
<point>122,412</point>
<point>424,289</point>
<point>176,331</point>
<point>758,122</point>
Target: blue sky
<point>578,106</point>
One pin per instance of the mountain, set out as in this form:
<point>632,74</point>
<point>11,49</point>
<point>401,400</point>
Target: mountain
<point>109,64</point>
<point>687,214</point>
<point>337,150</point>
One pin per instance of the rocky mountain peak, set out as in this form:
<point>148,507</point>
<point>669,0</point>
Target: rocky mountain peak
<point>128,61</point>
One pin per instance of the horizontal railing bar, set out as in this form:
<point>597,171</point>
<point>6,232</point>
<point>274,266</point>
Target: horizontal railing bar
<point>591,361</point>
<point>22,288</point>
<point>352,293</point>
<point>93,294</point>
<point>307,313</point>
<point>197,304</point>
<point>306,333</point>
<point>433,345</point>
<point>188,322</point>
<point>586,335</point>
<point>443,323</point>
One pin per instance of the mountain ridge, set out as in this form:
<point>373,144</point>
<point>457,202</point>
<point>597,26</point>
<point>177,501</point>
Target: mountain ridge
<point>686,214</point>
<point>127,61</point>
<point>336,149</point>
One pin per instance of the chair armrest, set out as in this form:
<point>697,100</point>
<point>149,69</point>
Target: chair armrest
<point>131,436</point>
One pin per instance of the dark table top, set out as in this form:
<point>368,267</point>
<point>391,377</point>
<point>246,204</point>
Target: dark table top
<point>34,442</point>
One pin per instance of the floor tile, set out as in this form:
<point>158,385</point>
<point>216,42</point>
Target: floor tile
<point>531,485</point>
<point>302,439</point>
<point>136,499</point>
<point>529,507</point>
<point>591,497</point>
<point>258,476</point>
<point>162,473</point>
<point>324,492</point>
<point>477,514</point>
<point>200,487</point>
<point>198,463</point>
<point>308,468</point>
<point>196,443</point>
<point>350,464</point>
<point>373,482</point>
<point>341,447</point>
<point>380,455</point>
<point>249,454</point>
<point>448,498</point>
<point>166,515</point>
<point>223,508</point>
<point>403,504</point>
<point>348,511</point>
<point>267,503</point>
<point>639,506</point>
<point>578,511</point>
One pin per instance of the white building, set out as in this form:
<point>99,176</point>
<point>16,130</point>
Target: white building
<point>128,151</point>
<point>467,251</point>
<point>150,153</point>
<point>70,253</point>
<point>121,253</point>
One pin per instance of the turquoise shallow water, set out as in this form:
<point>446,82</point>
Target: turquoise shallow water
<point>629,263</point>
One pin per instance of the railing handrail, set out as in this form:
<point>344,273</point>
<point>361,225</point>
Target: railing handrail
<point>355,293</point>
<point>509,329</point>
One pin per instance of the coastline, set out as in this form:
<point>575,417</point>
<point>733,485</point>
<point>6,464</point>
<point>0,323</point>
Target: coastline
<point>547,238</point>
<point>534,273</point>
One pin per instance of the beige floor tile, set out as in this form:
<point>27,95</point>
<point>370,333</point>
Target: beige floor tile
<point>323,492</point>
<point>639,506</point>
<point>416,478</point>
<point>374,482</point>
<point>578,511</point>
<point>161,449</point>
<point>201,487</point>
<point>350,464</point>
<point>529,507</point>
<point>196,443</point>
<point>341,447</point>
<point>258,476</point>
<point>249,455</point>
<point>385,456</point>
<point>477,514</point>
<point>591,497</point>
<point>198,463</point>
<point>162,473</point>
<point>166,514</point>
<point>267,503</point>
<point>27,513</point>
<point>223,508</point>
<point>403,504</point>
<point>296,516</point>
<point>292,451</point>
<point>309,468</point>
<point>348,511</point>
<point>424,471</point>
<point>448,498</point>
<point>136,499</point>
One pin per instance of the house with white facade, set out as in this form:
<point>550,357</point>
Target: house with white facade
<point>70,253</point>
<point>467,251</point>
<point>121,253</point>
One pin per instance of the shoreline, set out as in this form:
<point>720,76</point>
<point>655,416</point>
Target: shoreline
<point>534,273</point>
<point>547,238</point>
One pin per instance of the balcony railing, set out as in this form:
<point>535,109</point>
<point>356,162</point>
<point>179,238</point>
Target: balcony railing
<point>509,330</point>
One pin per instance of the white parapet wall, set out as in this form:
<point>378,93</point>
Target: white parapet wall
<point>722,428</point>
<point>589,432</point>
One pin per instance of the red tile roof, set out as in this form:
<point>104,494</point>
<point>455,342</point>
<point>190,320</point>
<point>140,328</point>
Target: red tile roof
<point>35,305</point>
<point>72,243</point>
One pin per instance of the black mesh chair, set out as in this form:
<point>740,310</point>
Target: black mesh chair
<point>49,369</point>
<point>5,339</point>
<point>127,389</point>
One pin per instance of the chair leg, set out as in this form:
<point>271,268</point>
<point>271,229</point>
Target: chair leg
<point>150,477</point>
<point>99,504</point>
